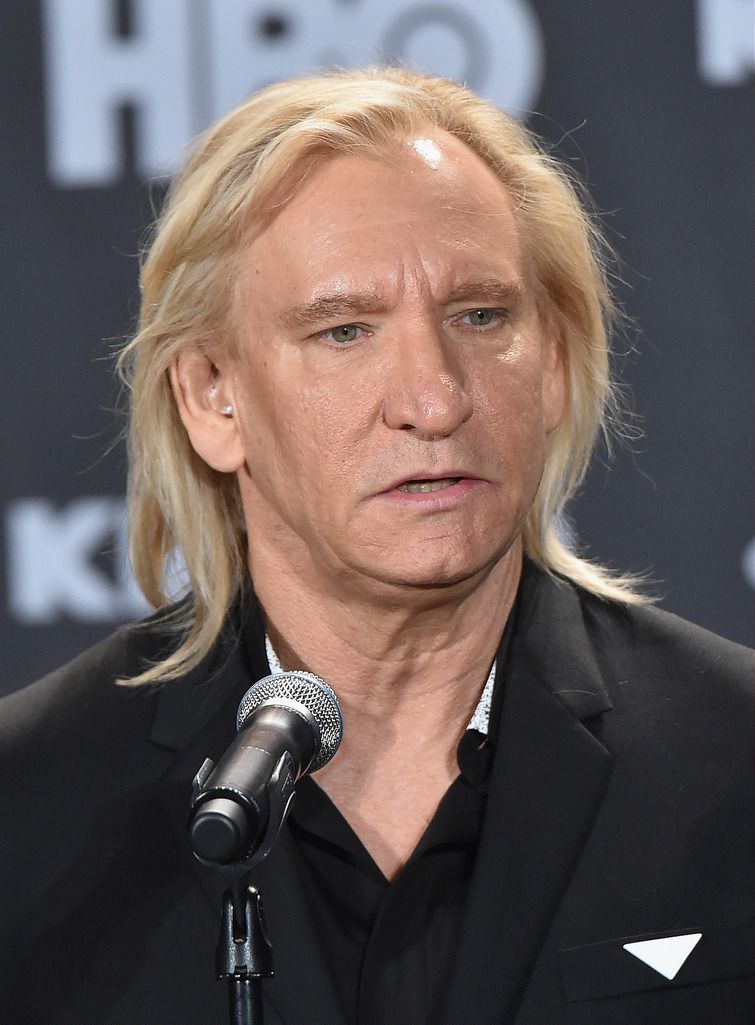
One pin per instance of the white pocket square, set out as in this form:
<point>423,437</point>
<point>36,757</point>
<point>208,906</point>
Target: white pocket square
<point>665,955</point>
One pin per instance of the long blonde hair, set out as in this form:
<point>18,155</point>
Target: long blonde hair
<point>248,165</point>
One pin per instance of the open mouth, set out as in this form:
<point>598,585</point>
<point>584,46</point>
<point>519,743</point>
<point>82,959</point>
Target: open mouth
<point>423,487</point>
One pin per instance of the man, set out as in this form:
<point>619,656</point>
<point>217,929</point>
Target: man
<point>370,367</point>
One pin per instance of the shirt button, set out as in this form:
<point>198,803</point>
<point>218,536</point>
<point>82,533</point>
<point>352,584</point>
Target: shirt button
<point>475,756</point>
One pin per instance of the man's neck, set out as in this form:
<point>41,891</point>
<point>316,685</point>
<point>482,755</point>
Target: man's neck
<point>396,651</point>
<point>413,670</point>
<point>408,678</point>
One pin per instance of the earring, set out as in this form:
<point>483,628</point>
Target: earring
<point>225,410</point>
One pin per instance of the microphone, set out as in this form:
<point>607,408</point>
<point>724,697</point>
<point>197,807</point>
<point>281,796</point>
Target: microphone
<point>289,724</point>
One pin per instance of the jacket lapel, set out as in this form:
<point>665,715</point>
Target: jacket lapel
<point>548,780</point>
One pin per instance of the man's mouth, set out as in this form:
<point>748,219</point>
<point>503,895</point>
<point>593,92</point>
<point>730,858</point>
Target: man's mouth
<point>422,487</point>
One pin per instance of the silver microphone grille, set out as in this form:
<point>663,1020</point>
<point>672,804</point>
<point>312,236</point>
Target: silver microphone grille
<point>309,691</point>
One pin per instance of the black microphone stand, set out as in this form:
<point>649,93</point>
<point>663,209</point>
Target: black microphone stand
<point>244,954</point>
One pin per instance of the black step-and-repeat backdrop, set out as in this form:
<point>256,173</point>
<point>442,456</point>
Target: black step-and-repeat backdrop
<point>650,102</point>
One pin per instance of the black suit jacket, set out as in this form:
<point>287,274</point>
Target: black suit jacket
<point>619,810</point>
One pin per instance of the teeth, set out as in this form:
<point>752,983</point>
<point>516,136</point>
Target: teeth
<point>421,487</point>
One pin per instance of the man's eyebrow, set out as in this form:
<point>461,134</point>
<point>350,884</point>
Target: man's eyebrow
<point>335,306</point>
<point>487,290</point>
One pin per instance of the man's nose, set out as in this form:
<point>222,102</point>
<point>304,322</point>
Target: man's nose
<point>427,391</point>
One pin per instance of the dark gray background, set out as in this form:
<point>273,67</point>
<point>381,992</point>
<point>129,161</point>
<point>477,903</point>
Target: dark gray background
<point>664,148</point>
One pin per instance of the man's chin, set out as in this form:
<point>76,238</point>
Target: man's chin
<point>448,577</point>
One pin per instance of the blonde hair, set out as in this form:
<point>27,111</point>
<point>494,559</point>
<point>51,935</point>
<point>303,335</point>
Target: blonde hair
<point>242,170</point>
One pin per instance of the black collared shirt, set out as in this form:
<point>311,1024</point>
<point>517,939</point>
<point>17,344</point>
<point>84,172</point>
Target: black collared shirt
<point>390,945</point>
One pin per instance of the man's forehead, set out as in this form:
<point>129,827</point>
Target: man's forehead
<point>430,215</point>
<point>430,159</point>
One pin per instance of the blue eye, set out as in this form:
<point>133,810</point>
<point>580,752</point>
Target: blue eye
<point>480,318</point>
<point>344,334</point>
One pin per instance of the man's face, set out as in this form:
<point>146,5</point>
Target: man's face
<point>396,384</point>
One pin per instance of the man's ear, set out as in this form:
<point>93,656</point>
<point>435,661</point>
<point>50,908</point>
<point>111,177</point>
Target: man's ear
<point>204,394</point>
